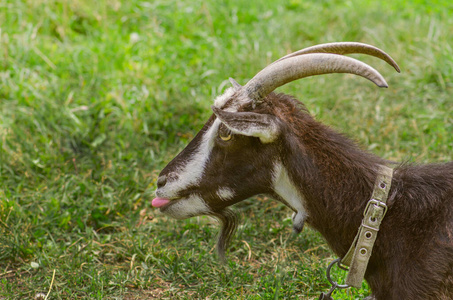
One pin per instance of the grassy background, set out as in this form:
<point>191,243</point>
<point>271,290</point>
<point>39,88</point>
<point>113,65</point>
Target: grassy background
<point>97,96</point>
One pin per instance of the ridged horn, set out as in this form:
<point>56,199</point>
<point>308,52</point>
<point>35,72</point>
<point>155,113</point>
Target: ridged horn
<point>346,48</point>
<point>300,66</point>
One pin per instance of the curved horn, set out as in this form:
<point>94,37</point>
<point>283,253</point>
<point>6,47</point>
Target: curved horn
<point>293,68</point>
<point>346,48</point>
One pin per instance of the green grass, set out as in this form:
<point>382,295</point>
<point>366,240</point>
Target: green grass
<point>97,96</point>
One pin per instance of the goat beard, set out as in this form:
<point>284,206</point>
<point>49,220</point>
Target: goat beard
<point>228,222</point>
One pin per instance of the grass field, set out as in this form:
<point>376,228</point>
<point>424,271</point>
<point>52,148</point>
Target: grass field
<point>97,96</point>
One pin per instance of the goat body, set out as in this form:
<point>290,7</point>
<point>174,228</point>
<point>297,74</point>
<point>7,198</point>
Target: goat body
<point>413,254</point>
<point>259,142</point>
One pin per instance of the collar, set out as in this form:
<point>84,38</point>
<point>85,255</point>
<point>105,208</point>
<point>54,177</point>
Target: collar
<point>356,259</point>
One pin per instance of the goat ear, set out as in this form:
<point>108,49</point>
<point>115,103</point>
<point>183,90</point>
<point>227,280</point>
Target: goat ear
<point>265,127</point>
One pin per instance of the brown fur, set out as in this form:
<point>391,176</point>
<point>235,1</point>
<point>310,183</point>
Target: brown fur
<point>413,254</point>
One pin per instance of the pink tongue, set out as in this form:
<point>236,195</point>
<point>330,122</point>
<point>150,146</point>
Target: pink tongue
<point>159,202</point>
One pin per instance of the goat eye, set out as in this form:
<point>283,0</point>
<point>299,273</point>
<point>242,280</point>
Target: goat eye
<point>225,135</point>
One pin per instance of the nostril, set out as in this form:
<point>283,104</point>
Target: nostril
<point>161,181</point>
<point>172,176</point>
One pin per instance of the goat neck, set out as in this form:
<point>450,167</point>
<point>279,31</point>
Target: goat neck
<point>333,175</point>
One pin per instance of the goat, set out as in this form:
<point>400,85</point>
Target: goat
<point>260,142</point>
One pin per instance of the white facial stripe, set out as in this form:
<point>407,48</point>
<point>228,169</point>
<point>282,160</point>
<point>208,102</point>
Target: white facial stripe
<point>286,189</point>
<point>191,173</point>
<point>185,208</point>
<point>225,194</point>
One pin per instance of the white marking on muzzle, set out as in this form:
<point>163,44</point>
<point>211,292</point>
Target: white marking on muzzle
<point>286,189</point>
<point>225,194</point>
<point>186,208</point>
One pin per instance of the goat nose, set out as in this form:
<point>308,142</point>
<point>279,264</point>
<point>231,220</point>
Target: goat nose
<point>161,181</point>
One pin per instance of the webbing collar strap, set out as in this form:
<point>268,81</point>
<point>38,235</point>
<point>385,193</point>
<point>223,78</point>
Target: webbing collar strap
<point>360,252</point>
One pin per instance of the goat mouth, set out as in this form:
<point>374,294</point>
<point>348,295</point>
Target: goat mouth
<point>159,202</point>
<point>167,202</point>
<point>163,203</point>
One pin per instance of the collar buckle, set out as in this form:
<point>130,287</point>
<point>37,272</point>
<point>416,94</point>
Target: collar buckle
<point>377,203</point>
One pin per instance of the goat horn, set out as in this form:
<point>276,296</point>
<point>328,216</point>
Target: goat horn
<point>297,67</point>
<point>235,84</point>
<point>346,48</point>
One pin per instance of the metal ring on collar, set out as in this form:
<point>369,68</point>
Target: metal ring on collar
<point>340,286</point>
